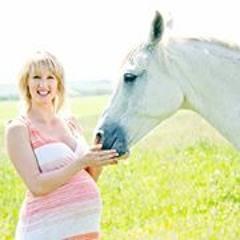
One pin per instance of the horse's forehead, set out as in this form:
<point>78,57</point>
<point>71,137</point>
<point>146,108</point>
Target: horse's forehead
<point>138,57</point>
<point>141,53</point>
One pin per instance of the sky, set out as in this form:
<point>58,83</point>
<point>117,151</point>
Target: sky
<point>91,38</point>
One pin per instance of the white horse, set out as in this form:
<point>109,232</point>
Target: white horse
<point>159,78</point>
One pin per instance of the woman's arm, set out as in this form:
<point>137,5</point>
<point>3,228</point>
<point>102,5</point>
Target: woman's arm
<point>95,172</point>
<point>23,158</point>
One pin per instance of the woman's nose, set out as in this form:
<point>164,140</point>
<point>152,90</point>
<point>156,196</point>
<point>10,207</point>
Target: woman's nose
<point>42,82</point>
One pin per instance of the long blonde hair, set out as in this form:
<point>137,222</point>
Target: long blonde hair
<point>38,60</point>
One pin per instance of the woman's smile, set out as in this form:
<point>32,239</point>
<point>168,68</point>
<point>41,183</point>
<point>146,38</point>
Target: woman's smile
<point>43,93</point>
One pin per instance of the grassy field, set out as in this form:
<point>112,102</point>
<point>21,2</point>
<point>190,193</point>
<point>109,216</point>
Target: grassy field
<point>182,182</point>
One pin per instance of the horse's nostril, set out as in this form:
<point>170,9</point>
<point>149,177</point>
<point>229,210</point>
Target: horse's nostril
<point>99,136</point>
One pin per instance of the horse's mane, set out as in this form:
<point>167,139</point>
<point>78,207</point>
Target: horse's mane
<point>228,45</point>
<point>225,44</point>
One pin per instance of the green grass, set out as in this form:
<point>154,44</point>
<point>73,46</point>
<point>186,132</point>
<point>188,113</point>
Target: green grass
<point>181,182</point>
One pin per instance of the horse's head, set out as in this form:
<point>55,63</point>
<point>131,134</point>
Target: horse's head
<point>145,95</point>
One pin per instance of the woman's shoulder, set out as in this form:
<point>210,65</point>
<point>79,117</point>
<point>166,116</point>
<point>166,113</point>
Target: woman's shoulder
<point>15,125</point>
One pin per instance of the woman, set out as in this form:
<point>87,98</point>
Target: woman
<point>53,160</point>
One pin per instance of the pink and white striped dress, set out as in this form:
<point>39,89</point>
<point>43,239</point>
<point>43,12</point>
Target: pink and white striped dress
<point>70,212</point>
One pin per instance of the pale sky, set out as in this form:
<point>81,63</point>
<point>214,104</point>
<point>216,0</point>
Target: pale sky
<point>92,37</point>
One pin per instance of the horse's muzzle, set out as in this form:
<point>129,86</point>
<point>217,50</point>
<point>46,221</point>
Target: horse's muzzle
<point>112,136</point>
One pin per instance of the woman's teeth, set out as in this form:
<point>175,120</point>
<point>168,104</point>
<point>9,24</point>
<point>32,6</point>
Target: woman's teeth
<point>43,92</point>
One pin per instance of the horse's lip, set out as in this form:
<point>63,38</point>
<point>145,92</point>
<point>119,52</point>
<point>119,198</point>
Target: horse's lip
<point>119,150</point>
<point>97,140</point>
<point>117,146</point>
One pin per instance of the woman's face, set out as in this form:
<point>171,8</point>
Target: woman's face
<point>42,86</point>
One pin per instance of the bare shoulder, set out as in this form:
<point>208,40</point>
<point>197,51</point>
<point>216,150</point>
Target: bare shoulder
<point>15,128</point>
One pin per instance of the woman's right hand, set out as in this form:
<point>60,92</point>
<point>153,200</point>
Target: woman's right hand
<point>97,157</point>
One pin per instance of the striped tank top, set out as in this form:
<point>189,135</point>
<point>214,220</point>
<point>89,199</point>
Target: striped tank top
<point>72,211</point>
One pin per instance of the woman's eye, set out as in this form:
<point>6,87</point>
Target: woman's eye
<point>50,77</point>
<point>36,77</point>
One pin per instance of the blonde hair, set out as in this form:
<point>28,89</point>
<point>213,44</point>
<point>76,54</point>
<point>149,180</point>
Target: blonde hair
<point>38,60</point>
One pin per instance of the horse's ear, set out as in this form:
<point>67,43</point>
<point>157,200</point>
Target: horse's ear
<point>157,28</point>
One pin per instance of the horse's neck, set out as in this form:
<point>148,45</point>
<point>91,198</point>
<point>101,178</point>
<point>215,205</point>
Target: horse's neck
<point>209,75</point>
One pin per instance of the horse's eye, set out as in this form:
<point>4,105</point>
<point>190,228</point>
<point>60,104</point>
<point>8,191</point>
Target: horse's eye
<point>129,77</point>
